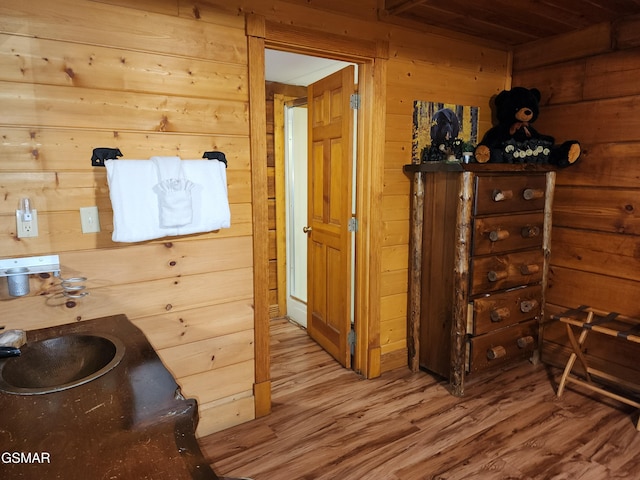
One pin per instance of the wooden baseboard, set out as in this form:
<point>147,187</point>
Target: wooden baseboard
<point>392,360</point>
<point>262,393</point>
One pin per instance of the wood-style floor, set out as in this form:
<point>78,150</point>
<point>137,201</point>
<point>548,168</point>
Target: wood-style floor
<point>329,423</point>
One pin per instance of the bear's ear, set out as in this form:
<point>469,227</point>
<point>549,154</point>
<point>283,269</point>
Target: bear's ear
<point>536,94</point>
<point>502,99</point>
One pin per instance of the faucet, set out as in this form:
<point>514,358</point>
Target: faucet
<point>6,352</point>
<point>11,341</point>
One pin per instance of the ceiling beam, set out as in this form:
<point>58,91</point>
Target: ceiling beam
<point>403,6</point>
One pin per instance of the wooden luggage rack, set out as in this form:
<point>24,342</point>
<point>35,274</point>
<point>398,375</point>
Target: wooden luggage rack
<point>607,323</point>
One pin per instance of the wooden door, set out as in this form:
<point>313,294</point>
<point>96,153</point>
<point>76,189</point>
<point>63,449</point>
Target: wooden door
<point>329,211</point>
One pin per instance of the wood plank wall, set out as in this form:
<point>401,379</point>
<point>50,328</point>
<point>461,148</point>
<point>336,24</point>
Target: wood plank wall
<point>170,77</point>
<point>77,74</point>
<point>590,93</point>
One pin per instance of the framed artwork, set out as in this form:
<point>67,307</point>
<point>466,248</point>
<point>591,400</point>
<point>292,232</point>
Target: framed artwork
<point>443,131</point>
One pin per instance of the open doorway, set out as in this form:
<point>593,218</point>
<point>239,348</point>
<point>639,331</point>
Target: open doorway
<point>291,132</point>
<point>372,58</point>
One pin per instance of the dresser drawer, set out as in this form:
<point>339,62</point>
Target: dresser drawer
<point>507,232</point>
<point>499,272</point>
<point>509,193</point>
<point>497,348</point>
<point>505,308</point>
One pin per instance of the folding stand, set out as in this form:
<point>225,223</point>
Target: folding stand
<point>611,324</point>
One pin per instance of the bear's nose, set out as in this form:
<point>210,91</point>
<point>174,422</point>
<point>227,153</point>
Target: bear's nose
<point>527,112</point>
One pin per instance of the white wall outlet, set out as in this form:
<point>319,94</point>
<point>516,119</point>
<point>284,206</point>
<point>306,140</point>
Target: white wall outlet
<point>27,227</point>
<point>89,219</point>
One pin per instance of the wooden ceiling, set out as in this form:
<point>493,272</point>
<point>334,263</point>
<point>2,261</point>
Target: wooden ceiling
<point>508,22</point>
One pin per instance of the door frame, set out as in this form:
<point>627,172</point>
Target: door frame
<point>371,58</point>
<point>284,229</point>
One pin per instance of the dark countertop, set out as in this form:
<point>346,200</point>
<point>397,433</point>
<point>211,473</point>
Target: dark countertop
<point>127,424</point>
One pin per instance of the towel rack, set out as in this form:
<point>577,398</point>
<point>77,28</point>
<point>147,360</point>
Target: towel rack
<point>101,154</point>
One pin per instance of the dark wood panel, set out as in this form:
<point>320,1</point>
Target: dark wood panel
<point>613,75</point>
<point>593,40</point>
<point>600,121</point>
<point>437,300</point>
<point>597,252</point>
<point>558,83</point>
<point>604,165</point>
<point>327,423</point>
<point>604,210</point>
<point>627,32</point>
<point>571,288</point>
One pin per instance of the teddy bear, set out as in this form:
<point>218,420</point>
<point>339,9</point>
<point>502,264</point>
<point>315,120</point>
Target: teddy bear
<point>514,140</point>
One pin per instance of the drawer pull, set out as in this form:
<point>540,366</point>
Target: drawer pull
<point>529,269</point>
<point>494,276</point>
<point>530,232</point>
<point>501,195</point>
<point>496,352</point>
<point>527,306</point>
<point>499,314</point>
<point>532,193</point>
<point>524,342</point>
<point>496,235</point>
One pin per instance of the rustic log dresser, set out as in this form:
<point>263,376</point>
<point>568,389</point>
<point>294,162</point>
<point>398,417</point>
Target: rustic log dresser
<point>478,265</point>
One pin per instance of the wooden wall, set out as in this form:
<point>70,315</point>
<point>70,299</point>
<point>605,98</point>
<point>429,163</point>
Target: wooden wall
<point>170,77</point>
<point>75,75</point>
<point>590,93</point>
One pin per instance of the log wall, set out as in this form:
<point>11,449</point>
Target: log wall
<point>170,77</point>
<point>590,93</point>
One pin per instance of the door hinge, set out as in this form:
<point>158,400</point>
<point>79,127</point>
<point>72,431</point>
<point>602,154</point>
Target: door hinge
<point>351,338</point>
<point>354,101</point>
<point>353,224</point>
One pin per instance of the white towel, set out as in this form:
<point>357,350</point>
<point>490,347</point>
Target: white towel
<point>173,191</point>
<point>135,205</point>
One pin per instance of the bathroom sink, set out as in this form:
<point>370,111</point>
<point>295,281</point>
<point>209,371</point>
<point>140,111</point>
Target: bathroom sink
<point>59,363</point>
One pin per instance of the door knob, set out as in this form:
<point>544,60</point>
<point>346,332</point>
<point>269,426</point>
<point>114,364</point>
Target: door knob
<point>306,229</point>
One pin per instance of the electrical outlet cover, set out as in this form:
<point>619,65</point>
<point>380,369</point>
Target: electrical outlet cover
<point>27,229</point>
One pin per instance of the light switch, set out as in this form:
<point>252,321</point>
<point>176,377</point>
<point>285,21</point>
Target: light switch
<point>89,219</point>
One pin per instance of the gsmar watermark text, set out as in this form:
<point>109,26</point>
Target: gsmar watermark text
<point>25,457</point>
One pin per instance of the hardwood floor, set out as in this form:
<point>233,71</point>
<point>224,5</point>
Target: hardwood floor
<point>329,423</point>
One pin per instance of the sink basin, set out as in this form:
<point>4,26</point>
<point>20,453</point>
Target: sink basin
<point>60,363</point>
